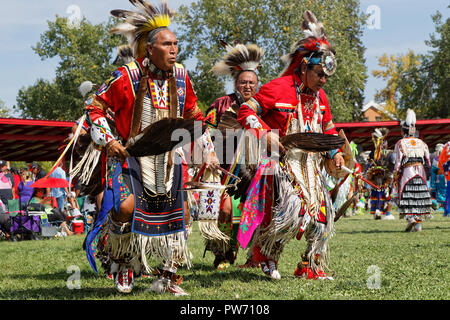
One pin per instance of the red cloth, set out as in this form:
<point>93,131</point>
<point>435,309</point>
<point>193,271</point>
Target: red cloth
<point>278,101</point>
<point>218,108</point>
<point>118,95</point>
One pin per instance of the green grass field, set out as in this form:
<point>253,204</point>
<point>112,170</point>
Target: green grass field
<point>372,260</point>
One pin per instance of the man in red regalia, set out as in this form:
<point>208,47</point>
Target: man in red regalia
<point>295,200</point>
<point>143,207</point>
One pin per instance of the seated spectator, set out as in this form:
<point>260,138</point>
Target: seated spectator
<point>39,173</point>
<point>72,205</point>
<point>25,190</point>
<point>17,178</point>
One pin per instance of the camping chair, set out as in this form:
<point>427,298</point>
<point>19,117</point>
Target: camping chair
<point>48,229</point>
<point>21,222</point>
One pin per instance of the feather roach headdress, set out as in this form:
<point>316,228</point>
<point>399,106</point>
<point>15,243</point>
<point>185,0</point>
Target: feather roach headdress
<point>313,49</point>
<point>138,24</point>
<point>409,125</point>
<point>238,58</point>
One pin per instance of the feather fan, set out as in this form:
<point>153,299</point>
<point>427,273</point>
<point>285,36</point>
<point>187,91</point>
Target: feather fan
<point>228,121</point>
<point>157,138</point>
<point>344,207</point>
<point>311,141</point>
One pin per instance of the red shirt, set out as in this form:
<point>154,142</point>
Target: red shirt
<point>118,94</point>
<point>276,104</point>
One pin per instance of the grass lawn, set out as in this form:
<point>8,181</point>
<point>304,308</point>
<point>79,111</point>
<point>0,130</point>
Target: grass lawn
<point>372,260</point>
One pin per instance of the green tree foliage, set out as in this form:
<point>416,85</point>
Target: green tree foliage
<point>437,80</point>
<point>400,73</point>
<point>85,53</point>
<point>275,26</point>
<point>419,81</point>
<point>4,111</point>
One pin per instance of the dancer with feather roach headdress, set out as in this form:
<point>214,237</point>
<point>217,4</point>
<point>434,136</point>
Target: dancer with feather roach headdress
<point>288,198</point>
<point>411,172</point>
<point>241,63</point>
<point>143,212</point>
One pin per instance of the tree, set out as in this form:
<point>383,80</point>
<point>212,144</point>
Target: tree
<point>399,72</point>
<point>85,52</point>
<point>4,111</point>
<point>275,26</point>
<point>437,80</point>
<point>418,81</point>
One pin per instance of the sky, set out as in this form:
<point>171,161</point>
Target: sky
<point>395,27</point>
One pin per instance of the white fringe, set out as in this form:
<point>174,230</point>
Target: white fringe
<point>132,246</point>
<point>171,248</point>
<point>87,164</point>
<point>211,232</point>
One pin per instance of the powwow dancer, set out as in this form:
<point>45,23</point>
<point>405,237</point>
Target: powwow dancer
<point>379,172</point>
<point>289,198</point>
<point>142,203</point>
<point>412,167</point>
<point>437,179</point>
<point>444,166</point>
<point>241,63</point>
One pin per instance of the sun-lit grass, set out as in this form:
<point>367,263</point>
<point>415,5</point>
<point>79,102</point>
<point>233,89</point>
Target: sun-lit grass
<point>371,260</point>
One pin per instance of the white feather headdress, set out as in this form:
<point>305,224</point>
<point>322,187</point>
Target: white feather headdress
<point>410,122</point>
<point>238,58</point>
<point>410,118</point>
<point>136,25</point>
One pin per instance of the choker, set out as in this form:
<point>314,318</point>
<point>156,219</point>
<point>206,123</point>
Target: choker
<point>157,73</point>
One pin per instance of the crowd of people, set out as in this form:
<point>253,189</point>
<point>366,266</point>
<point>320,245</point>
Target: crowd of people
<point>18,197</point>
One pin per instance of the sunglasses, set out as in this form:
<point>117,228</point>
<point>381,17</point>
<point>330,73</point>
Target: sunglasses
<point>320,74</point>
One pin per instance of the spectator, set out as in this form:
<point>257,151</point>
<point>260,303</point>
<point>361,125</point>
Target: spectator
<point>59,193</point>
<point>24,189</point>
<point>39,173</point>
<point>5,223</point>
<point>6,184</point>
<point>57,215</point>
<point>17,178</point>
<point>73,206</point>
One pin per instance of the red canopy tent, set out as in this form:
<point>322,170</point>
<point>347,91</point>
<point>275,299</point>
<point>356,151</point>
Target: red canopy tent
<point>32,140</point>
<point>42,140</point>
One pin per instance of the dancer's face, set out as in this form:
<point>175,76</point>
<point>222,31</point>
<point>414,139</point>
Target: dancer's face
<point>163,53</point>
<point>313,78</point>
<point>246,84</point>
